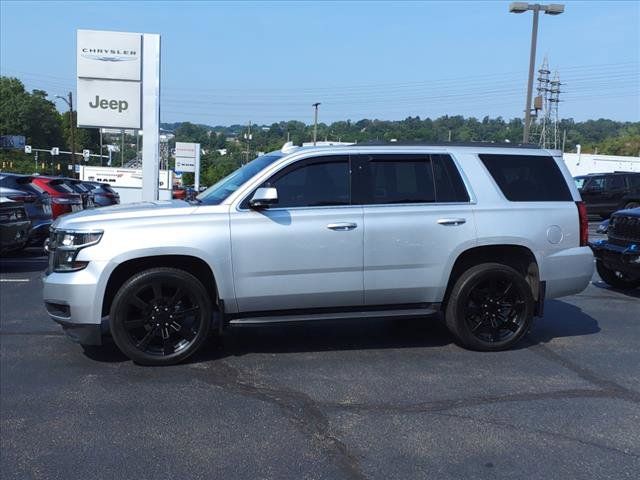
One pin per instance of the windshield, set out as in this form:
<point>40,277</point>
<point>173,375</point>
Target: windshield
<point>217,193</point>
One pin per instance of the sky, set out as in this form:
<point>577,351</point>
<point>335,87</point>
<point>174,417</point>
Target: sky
<point>229,63</point>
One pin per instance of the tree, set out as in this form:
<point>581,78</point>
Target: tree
<point>29,114</point>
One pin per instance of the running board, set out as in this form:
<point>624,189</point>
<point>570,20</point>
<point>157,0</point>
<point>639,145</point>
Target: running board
<point>412,312</point>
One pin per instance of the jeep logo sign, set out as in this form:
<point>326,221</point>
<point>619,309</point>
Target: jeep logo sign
<point>109,79</point>
<point>108,103</point>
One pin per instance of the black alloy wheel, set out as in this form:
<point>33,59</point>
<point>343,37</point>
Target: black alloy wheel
<point>490,307</point>
<point>160,316</point>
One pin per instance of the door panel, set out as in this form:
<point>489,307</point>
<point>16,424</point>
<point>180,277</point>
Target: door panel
<point>407,251</point>
<point>416,216</point>
<point>290,258</point>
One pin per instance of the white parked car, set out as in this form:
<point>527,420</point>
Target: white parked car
<point>483,233</point>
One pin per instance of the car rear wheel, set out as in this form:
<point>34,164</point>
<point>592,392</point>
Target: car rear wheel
<point>617,279</point>
<point>631,205</point>
<point>160,316</point>
<point>490,307</point>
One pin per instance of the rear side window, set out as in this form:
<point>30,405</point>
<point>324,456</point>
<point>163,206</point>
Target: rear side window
<point>408,178</point>
<point>634,181</point>
<point>527,178</point>
<point>449,185</point>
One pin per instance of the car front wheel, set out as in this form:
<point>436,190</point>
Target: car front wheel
<point>160,316</point>
<point>490,307</point>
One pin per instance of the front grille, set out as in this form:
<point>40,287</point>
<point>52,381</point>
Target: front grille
<point>624,230</point>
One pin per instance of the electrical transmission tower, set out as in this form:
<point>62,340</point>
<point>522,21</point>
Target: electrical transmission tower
<point>546,129</point>
<point>540,104</point>
<point>554,101</point>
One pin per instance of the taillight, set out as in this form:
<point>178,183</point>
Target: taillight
<point>584,224</point>
<point>22,197</point>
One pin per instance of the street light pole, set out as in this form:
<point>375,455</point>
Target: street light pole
<point>315,122</point>
<point>72,128</point>
<point>521,7</point>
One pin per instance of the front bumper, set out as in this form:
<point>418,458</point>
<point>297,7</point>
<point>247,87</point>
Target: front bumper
<point>620,258</point>
<point>74,300</point>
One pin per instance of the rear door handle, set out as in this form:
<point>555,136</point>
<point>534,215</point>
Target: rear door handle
<point>342,226</point>
<point>451,221</point>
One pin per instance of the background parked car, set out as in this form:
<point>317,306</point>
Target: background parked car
<point>618,257</point>
<point>14,225</point>
<point>605,193</point>
<point>103,194</point>
<point>36,202</point>
<point>64,199</point>
<point>79,187</point>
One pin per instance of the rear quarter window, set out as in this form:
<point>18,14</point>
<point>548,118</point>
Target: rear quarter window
<point>527,178</point>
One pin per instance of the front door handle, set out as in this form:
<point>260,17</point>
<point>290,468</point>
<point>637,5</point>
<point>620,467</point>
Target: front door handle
<point>451,221</point>
<point>342,226</point>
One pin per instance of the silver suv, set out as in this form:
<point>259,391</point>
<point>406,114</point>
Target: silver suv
<point>483,233</point>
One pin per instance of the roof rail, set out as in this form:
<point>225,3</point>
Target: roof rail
<point>424,143</point>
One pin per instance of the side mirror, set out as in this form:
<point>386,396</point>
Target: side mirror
<point>264,197</point>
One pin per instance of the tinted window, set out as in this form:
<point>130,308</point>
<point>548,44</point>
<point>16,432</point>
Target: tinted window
<point>634,180</point>
<point>314,183</point>
<point>615,182</point>
<point>395,179</point>
<point>449,185</point>
<point>527,178</point>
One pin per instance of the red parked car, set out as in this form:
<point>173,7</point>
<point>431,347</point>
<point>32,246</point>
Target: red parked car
<point>63,198</point>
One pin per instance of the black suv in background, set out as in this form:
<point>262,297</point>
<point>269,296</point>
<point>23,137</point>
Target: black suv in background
<point>37,203</point>
<point>605,193</point>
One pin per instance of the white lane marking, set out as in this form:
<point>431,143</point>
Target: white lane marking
<point>15,280</point>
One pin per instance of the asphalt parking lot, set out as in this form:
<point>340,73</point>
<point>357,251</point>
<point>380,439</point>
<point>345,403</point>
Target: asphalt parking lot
<point>378,399</point>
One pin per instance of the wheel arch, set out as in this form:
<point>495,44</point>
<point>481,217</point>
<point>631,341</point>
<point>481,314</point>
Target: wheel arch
<point>519,257</point>
<point>188,263</point>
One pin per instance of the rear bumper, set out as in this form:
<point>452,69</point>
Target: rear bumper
<point>567,272</point>
<point>624,259</point>
<point>39,231</point>
<point>14,235</point>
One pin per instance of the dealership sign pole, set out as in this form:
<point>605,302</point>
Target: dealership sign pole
<point>119,87</point>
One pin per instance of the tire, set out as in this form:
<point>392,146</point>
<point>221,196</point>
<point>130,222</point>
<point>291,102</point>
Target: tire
<point>490,307</point>
<point>616,279</point>
<point>160,316</point>
<point>632,205</point>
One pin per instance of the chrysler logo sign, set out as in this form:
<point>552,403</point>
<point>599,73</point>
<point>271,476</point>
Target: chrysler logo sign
<point>108,54</point>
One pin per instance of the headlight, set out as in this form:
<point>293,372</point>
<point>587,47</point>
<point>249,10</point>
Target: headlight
<point>64,246</point>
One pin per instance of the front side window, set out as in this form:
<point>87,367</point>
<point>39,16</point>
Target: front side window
<point>317,182</point>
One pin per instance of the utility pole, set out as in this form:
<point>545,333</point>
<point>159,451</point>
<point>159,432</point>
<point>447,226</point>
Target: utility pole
<point>315,122</point>
<point>72,128</point>
<point>521,7</point>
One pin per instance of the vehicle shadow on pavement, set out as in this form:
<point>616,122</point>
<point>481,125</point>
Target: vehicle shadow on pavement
<point>635,293</point>
<point>561,319</point>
